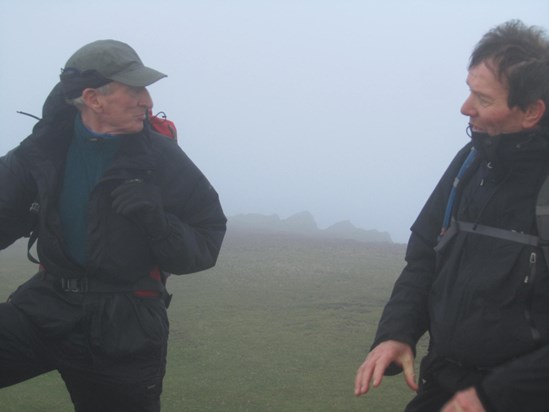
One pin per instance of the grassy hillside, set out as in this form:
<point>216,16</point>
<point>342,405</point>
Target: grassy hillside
<point>281,324</point>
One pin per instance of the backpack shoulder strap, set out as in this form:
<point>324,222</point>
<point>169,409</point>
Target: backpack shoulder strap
<point>542,223</point>
<point>32,239</point>
<point>450,227</point>
<point>33,235</point>
<point>471,156</point>
<point>542,218</point>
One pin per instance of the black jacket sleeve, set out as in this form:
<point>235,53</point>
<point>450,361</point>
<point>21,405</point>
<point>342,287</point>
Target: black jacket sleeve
<point>195,217</point>
<point>17,192</point>
<point>195,237</point>
<point>520,385</point>
<point>405,317</point>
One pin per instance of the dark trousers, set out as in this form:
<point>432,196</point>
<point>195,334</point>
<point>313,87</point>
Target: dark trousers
<point>440,379</point>
<point>430,398</point>
<point>110,349</point>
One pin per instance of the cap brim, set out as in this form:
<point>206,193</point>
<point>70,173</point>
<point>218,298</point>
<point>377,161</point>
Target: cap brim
<point>141,77</point>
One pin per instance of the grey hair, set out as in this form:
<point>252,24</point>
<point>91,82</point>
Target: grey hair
<point>78,102</point>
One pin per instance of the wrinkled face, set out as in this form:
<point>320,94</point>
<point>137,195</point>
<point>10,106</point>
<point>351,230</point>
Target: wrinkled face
<point>123,109</point>
<point>487,106</point>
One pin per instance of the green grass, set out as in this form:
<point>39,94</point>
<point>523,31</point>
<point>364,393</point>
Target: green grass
<point>281,324</point>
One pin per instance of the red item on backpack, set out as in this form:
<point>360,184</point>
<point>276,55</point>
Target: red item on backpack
<point>160,123</point>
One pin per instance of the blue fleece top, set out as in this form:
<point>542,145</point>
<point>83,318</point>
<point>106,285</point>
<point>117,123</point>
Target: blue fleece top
<point>89,156</point>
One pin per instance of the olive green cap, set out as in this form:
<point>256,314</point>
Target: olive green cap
<point>113,60</point>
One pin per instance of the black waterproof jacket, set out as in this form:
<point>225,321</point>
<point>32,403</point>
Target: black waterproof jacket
<point>483,300</point>
<point>119,251</point>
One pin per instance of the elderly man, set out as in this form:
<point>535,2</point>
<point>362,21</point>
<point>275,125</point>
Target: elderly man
<point>475,278</point>
<point>114,206</point>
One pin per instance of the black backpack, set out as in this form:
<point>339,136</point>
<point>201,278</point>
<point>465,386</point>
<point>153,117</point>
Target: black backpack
<point>450,226</point>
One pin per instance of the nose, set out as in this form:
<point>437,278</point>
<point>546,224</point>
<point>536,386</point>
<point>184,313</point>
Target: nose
<point>467,108</point>
<point>145,99</point>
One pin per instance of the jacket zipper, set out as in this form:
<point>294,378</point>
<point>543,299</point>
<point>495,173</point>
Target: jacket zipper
<point>529,281</point>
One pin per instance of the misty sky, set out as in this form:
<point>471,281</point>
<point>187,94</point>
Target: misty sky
<point>347,109</point>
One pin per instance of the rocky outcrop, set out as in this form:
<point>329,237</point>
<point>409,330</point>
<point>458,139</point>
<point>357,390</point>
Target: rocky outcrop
<point>303,223</point>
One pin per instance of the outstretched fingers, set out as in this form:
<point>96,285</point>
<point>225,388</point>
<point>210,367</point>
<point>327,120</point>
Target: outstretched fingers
<point>371,372</point>
<point>407,363</point>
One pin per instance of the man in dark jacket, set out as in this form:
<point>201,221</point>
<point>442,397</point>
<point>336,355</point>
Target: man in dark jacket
<point>115,206</point>
<point>475,279</point>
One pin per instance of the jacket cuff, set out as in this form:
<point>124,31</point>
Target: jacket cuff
<point>486,403</point>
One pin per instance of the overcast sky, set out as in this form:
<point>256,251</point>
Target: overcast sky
<point>346,109</point>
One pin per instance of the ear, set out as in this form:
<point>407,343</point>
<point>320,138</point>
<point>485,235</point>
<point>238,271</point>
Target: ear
<point>533,114</point>
<point>91,99</point>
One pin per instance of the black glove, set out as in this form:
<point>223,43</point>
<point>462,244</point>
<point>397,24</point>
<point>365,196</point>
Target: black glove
<point>142,203</point>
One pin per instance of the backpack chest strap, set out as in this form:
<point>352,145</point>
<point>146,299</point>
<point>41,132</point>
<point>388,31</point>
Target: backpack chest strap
<point>498,233</point>
<point>478,229</point>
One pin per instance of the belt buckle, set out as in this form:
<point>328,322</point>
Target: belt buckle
<point>74,285</point>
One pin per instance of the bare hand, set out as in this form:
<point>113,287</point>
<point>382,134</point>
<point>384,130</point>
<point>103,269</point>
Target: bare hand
<point>377,361</point>
<point>464,401</point>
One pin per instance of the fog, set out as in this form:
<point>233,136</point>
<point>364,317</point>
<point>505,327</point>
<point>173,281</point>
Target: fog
<point>346,109</point>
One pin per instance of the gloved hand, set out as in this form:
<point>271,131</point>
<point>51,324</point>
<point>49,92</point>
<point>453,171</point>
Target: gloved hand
<point>141,202</point>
